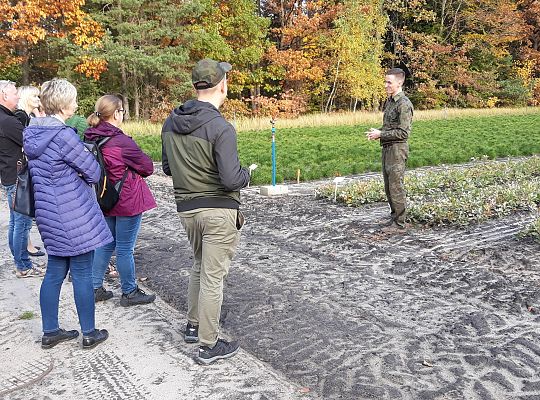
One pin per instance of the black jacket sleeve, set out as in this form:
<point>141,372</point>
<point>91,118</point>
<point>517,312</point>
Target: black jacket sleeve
<point>231,174</point>
<point>164,159</point>
<point>13,130</point>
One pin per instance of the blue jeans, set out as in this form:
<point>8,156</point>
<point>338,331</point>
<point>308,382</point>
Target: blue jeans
<point>81,273</point>
<point>19,228</point>
<point>124,231</point>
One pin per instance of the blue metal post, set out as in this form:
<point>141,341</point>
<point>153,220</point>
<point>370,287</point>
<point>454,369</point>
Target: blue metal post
<point>273,152</point>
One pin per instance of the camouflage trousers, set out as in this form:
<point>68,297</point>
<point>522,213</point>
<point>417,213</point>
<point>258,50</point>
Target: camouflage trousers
<point>394,158</point>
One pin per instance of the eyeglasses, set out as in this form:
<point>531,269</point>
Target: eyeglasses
<point>121,110</point>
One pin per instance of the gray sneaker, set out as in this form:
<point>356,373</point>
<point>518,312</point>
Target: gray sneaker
<point>221,350</point>
<point>100,294</point>
<point>136,297</point>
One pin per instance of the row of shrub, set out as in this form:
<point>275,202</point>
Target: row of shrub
<point>532,230</point>
<point>455,196</point>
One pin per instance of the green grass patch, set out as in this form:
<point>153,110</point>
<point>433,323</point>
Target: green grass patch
<point>532,231</point>
<point>27,315</point>
<point>455,196</point>
<point>343,150</point>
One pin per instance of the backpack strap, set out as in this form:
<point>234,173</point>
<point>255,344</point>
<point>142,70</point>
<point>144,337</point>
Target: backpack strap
<point>118,185</point>
<point>103,139</point>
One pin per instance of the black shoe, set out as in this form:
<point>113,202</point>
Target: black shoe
<point>37,253</point>
<point>92,340</point>
<point>221,350</point>
<point>394,228</point>
<point>48,342</point>
<point>387,222</point>
<point>100,294</point>
<point>136,297</point>
<point>191,334</point>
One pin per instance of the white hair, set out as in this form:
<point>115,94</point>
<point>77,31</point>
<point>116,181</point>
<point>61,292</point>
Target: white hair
<point>57,95</point>
<point>5,84</point>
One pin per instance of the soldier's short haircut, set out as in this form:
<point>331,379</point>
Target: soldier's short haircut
<point>396,72</point>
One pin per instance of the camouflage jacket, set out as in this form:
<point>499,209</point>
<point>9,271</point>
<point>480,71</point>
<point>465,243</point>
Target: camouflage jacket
<point>397,120</point>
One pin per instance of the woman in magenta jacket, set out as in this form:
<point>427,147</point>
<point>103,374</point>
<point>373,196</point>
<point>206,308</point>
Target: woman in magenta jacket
<point>122,156</point>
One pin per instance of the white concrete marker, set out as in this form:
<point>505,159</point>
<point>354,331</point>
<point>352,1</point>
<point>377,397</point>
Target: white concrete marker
<point>337,179</point>
<point>275,190</point>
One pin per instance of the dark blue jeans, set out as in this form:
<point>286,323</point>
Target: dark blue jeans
<point>81,273</point>
<point>19,228</point>
<point>125,231</point>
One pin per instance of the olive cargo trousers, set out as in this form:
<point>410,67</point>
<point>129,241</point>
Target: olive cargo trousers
<point>394,158</point>
<point>213,234</point>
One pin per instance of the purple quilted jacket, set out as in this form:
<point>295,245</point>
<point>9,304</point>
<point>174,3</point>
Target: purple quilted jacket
<point>67,214</point>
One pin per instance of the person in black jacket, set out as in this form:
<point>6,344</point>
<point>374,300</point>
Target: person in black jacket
<point>11,141</point>
<point>200,153</point>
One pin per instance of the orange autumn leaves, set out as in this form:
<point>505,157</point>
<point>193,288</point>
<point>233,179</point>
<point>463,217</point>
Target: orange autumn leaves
<point>29,22</point>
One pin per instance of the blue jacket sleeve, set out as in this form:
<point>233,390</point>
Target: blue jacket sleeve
<point>78,157</point>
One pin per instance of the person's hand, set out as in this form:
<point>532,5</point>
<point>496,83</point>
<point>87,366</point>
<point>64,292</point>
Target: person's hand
<point>252,167</point>
<point>373,134</point>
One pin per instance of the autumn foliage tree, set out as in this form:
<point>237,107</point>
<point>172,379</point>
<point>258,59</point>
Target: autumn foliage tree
<point>27,24</point>
<point>357,51</point>
<point>288,56</point>
<point>299,59</point>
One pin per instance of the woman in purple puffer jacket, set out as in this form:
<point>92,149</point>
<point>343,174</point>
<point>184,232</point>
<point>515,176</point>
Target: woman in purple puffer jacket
<point>67,214</point>
<point>121,155</point>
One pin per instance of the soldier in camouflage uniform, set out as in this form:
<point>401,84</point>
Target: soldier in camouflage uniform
<point>393,135</point>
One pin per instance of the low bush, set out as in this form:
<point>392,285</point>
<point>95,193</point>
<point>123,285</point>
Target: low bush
<point>455,196</point>
<point>532,230</point>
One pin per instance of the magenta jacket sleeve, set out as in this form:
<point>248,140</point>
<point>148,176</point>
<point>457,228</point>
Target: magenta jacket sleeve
<point>136,159</point>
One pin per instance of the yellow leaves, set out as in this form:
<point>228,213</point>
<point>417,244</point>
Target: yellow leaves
<point>525,71</point>
<point>32,21</point>
<point>492,102</point>
<point>91,67</point>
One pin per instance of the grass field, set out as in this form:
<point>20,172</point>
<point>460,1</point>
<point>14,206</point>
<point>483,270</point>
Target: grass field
<point>343,150</point>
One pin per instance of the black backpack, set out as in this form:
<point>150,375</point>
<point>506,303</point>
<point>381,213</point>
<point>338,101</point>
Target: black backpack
<point>107,191</point>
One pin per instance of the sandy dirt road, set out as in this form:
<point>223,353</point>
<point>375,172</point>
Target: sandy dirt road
<point>145,357</point>
<point>318,293</point>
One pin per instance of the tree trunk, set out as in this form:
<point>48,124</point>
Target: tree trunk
<point>136,94</point>
<point>147,105</point>
<point>125,92</point>
<point>443,11</point>
<point>333,91</point>
<point>25,67</point>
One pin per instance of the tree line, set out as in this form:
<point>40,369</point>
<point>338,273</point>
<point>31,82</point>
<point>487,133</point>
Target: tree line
<point>289,56</point>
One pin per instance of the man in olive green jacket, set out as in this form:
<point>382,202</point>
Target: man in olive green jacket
<point>200,153</point>
<point>393,135</point>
